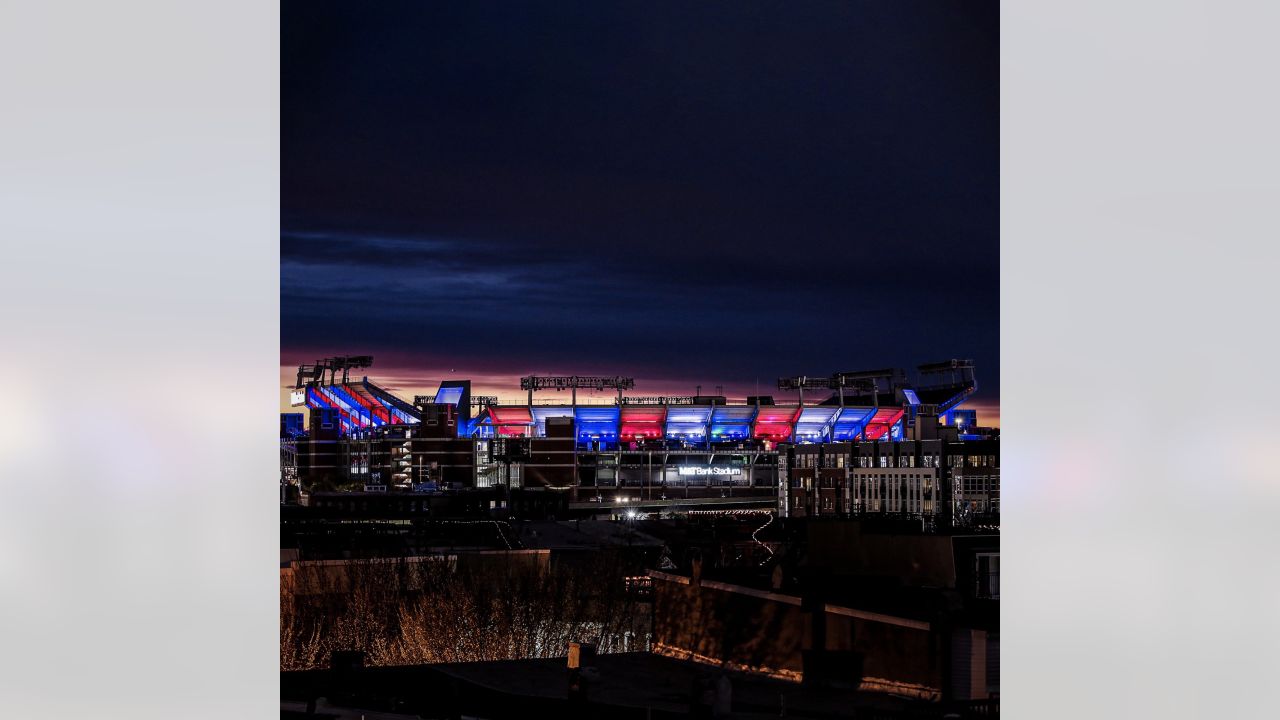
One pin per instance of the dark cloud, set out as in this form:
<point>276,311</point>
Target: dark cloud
<point>718,191</point>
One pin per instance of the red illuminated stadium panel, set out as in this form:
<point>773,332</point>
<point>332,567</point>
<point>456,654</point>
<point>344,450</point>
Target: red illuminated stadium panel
<point>776,432</point>
<point>879,425</point>
<point>510,420</point>
<point>370,404</point>
<point>775,422</point>
<point>642,423</point>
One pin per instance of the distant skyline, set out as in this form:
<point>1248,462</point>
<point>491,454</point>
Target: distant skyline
<point>691,194</point>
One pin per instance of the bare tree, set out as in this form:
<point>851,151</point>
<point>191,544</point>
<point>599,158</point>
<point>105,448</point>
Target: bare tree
<point>491,607</point>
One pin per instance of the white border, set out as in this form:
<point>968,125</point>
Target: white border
<point>139,219</point>
<point>1139,235</point>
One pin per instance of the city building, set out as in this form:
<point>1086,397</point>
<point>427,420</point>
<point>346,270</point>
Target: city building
<point>931,479</point>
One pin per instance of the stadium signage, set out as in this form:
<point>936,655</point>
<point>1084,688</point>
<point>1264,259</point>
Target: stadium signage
<point>705,470</point>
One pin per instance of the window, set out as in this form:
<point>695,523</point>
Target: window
<point>987,574</point>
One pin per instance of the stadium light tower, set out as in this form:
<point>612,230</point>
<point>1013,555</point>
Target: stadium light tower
<point>314,374</point>
<point>801,383</point>
<point>573,382</point>
<point>870,382</point>
<point>345,363</point>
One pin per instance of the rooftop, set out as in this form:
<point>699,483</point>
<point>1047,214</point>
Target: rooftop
<point>629,685</point>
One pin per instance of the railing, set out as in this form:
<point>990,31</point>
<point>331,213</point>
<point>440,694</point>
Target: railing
<point>985,708</point>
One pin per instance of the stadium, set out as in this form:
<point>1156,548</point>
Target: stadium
<point>637,453</point>
<point>869,405</point>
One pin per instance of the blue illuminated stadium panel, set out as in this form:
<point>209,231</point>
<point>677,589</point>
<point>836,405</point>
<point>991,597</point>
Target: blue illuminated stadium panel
<point>378,407</point>
<point>814,422</point>
<point>912,398</point>
<point>597,423</point>
<point>541,413</point>
<point>481,426</point>
<point>895,431</point>
<point>350,418</point>
<point>318,399</point>
<point>397,410</point>
<point>334,400</point>
<point>291,425</point>
<point>850,422</point>
<point>360,409</point>
<point>688,422</point>
<point>965,418</point>
<point>449,395</point>
<point>731,422</point>
<point>401,417</point>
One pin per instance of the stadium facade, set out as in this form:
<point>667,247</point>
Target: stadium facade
<point>864,442</point>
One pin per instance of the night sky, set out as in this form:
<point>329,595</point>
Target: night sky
<point>714,193</point>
